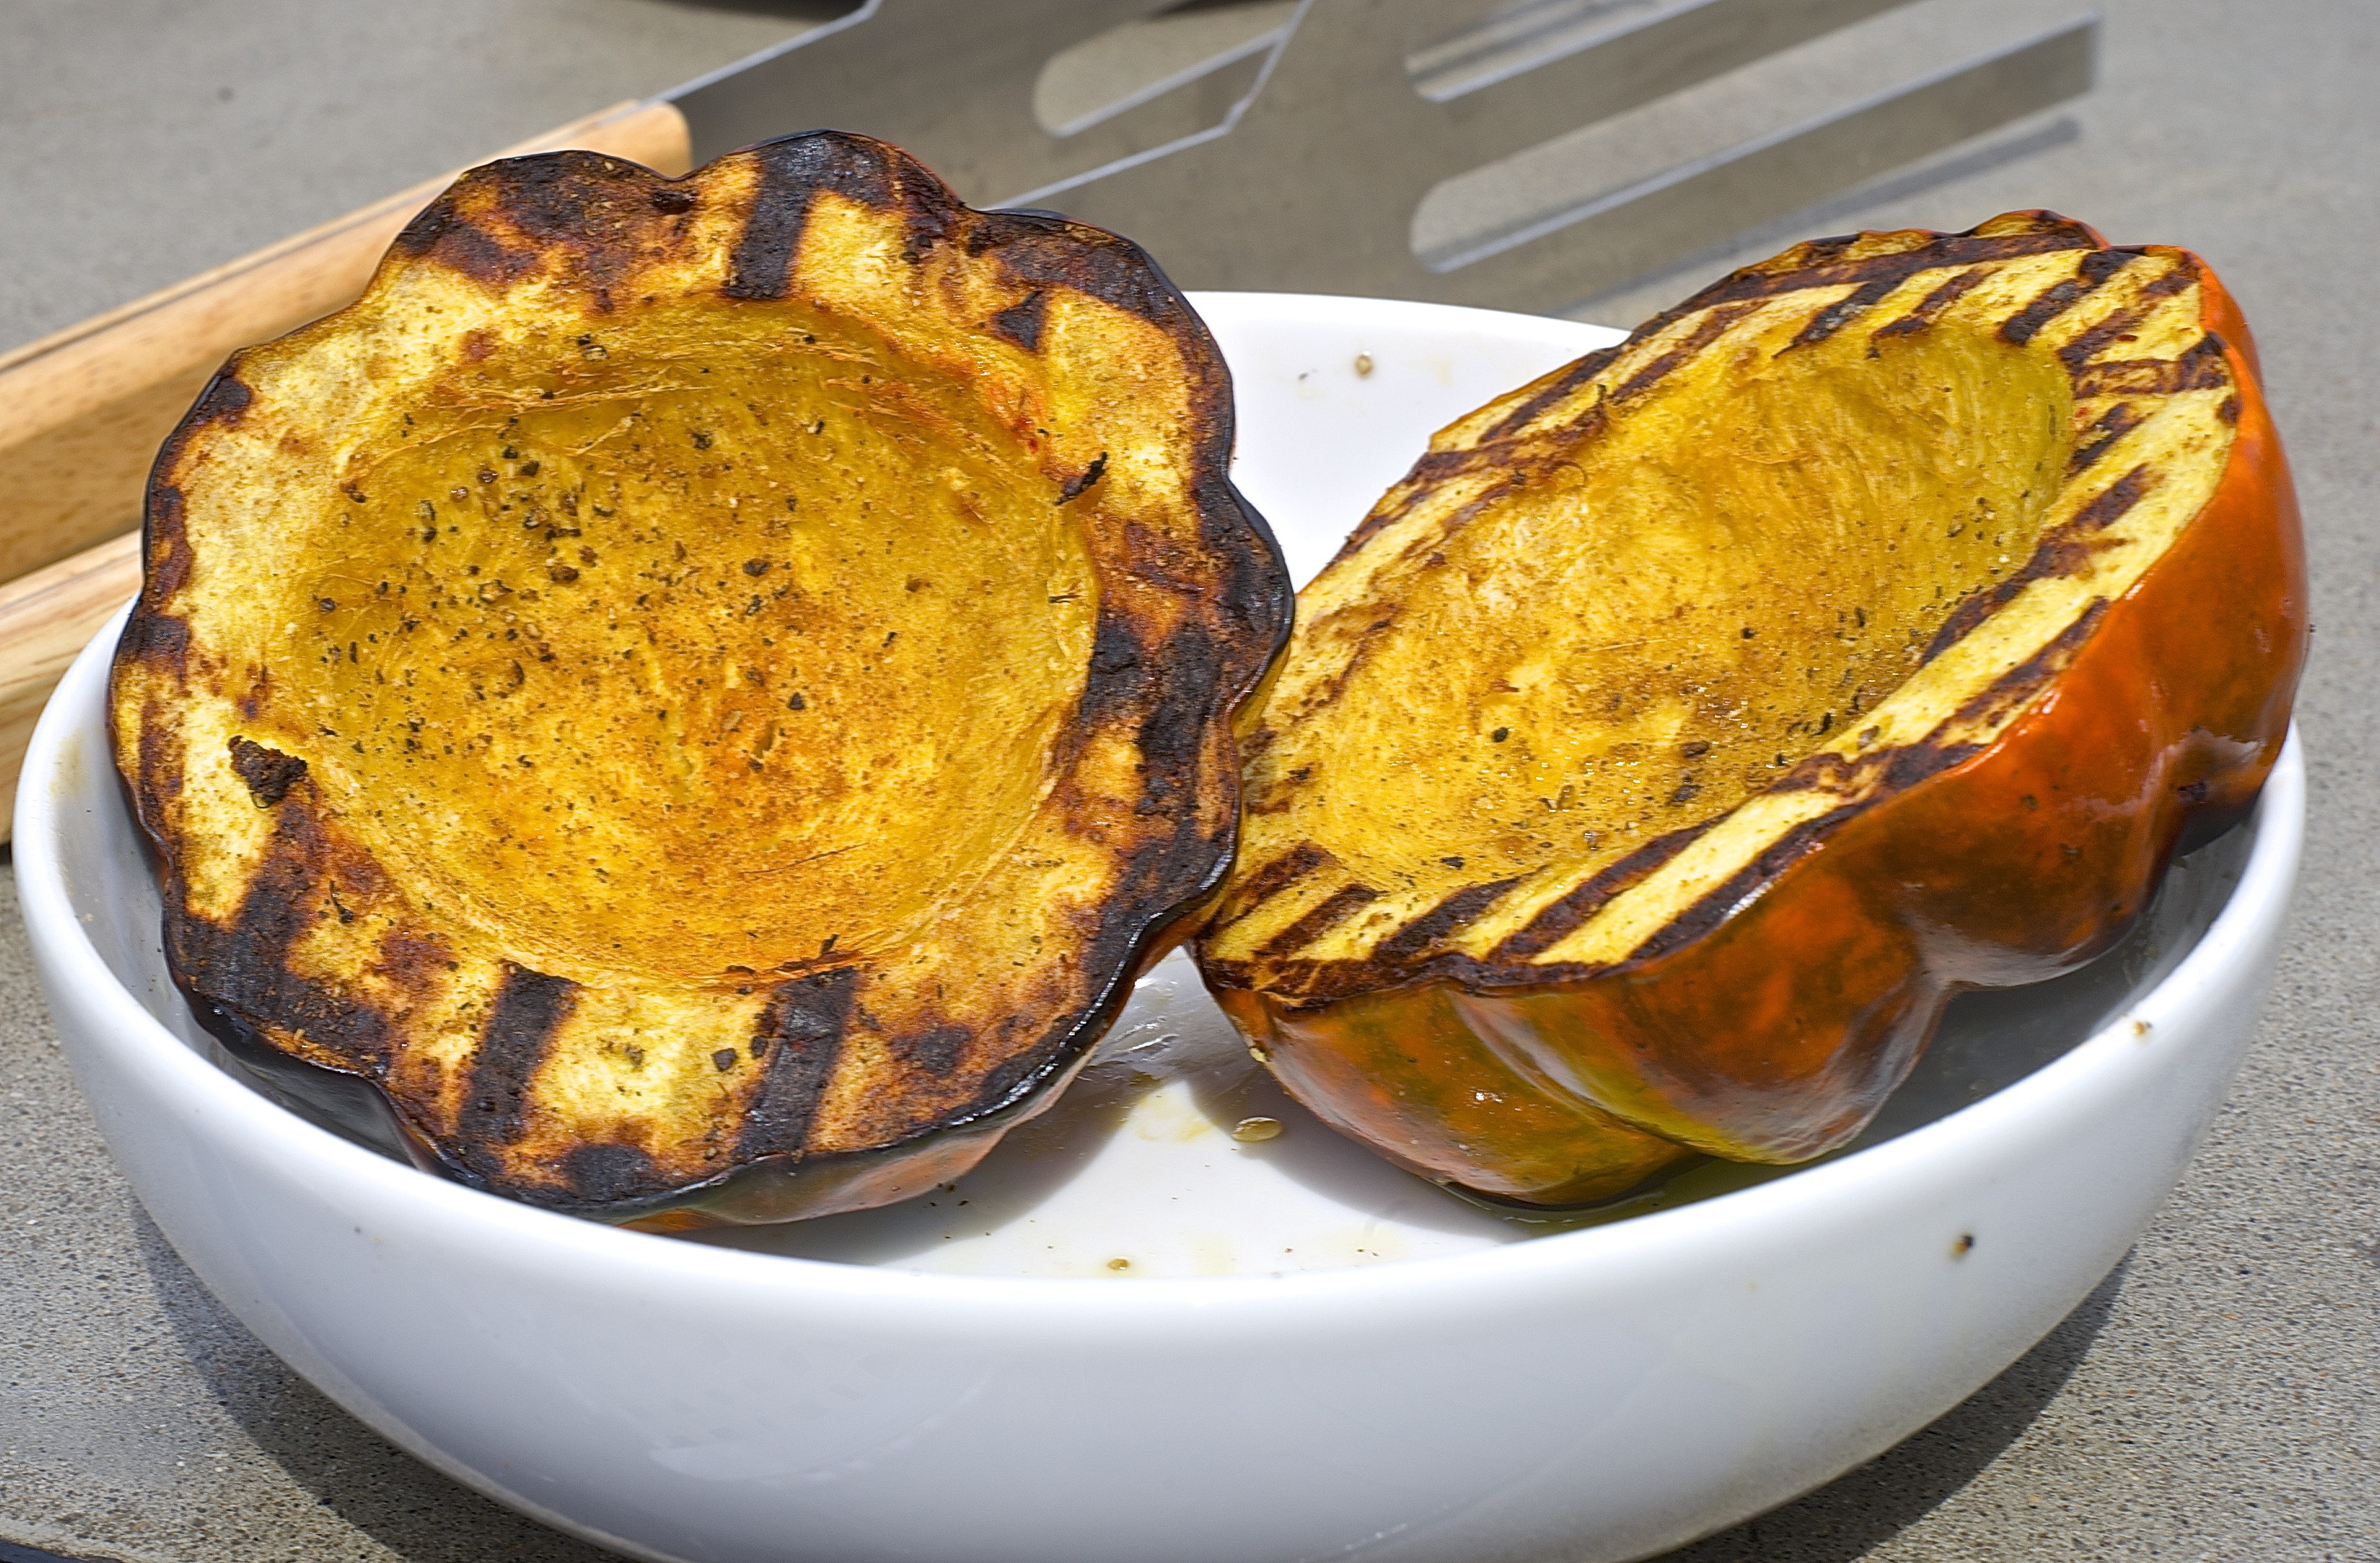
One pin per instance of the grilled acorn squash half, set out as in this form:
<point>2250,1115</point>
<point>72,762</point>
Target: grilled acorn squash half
<point>706,692</point>
<point>1658,758</point>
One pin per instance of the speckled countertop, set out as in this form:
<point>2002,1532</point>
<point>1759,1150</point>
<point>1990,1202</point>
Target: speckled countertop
<point>2219,1398</point>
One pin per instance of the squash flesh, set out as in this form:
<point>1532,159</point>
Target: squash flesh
<point>1667,622</point>
<point>659,611</point>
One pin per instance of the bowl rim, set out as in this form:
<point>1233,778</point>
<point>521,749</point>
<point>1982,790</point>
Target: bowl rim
<point>1354,310</point>
<point>69,765</point>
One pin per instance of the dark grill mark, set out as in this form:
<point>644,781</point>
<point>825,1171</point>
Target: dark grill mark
<point>1253,594</point>
<point>761,265</point>
<point>1713,906</point>
<point>2179,279</point>
<point>1958,249</point>
<point>414,962</point>
<point>1561,386</point>
<point>791,173</point>
<point>1437,467</point>
<point>801,1034</point>
<point>1456,911</point>
<point>2200,367</point>
<point>268,772</point>
<point>441,233</point>
<point>1172,737</point>
<point>927,218</point>
<point>2052,302</point>
<point>1972,609</point>
<point>529,1008</point>
<point>1818,251</point>
<point>1272,879</point>
<point>2110,427</point>
<point>242,975</point>
<point>937,1049</point>
<point>1824,772</point>
<point>1044,250</point>
<point>603,1174</point>
<point>1327,692</point>
<point>1699,338</point>
<point>1119,679</point>
<point>570,198</point>
<point>2017,687</point>
<point>2112,504</point>
<point>1841,313</point>
<point>1021,322</point>
<point>1930,308</point>
<point>2098,267</point>
<point>1566,917</point>
<point>2088,344</point>
<point>165,543</point>
<point>159,640</point>
<point>1434,468</point>
<point>2062,550</point>
<point>225,401</point>
<point>1337,908</point>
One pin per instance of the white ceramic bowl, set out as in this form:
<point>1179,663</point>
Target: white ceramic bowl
<point>1304,1354</point>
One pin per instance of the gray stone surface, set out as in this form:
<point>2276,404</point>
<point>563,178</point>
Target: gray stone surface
<point>2216,1399</point>
<point>143,141</point>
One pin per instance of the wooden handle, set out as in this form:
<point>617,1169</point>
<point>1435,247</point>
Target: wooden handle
<point>83,411</point>
<point>45,619</point>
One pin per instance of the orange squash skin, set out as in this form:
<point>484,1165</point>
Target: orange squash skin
<point>1770,1023</point>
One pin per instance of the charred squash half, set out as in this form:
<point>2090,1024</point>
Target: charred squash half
<point>705,691</point>
<point>1659,756</point>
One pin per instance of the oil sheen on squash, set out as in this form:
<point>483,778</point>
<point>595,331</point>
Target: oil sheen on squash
<point>1659,756</point>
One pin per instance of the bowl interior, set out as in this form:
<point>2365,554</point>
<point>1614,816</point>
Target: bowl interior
<point>1151,1165</point>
